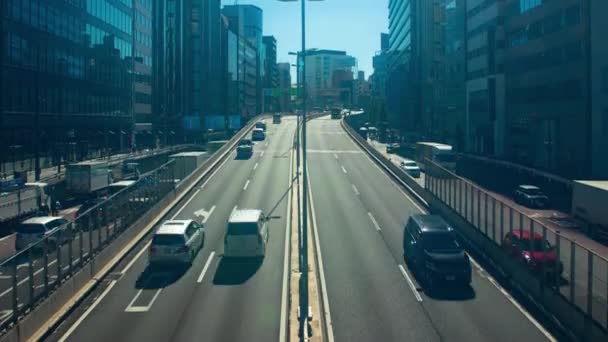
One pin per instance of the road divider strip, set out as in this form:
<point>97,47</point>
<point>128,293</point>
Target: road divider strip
<point>409,281</point>
<point>207,264</point>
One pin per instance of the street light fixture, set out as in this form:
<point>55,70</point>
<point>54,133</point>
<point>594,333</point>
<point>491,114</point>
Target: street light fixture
<point>304,248</point>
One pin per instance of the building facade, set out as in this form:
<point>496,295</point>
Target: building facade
<point>548,85</point>
<point>66,78</point>
<point>246,22</point>
<point>327,73</point>
<point>271,75</point>
<point>599,89</point>
<point>284,71</point>
<point>142,74</point>
<point>485,95</point>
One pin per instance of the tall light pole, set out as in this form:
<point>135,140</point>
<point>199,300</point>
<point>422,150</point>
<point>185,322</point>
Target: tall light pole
<point>304,249</point>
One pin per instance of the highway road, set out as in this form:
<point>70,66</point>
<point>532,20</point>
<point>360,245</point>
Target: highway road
<point>372,295</point>
<point>212,300</point>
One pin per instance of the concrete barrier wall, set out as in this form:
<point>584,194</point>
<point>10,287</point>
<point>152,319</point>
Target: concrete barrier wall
<point>549,301</point>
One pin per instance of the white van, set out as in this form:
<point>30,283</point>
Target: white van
<point>246,234</point>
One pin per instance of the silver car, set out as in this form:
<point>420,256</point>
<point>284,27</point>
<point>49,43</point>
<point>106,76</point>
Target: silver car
<point>35,229</point>
<point>176,241</point>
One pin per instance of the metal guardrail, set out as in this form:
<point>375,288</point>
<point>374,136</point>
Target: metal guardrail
<point>577,299</point>
<point>584,282</point>
<point>35,273</point>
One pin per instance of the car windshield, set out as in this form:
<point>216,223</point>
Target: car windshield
<point>533,192</point>
<point>339,120</point>
<point>440,242</point>
<point>168,240</point>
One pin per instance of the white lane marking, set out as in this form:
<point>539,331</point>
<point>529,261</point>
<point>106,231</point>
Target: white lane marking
<point>187,202</point>
<point>130,264</point>
<point>344,170</point>
<point>410,283</point>
<point>374,222</point>
<point>4,277</point>
<point>132,308</point>
<point>284,290</point>
<point>255,166</point>
<point>512,300</point>
<point>336,156</point>
<point>262,154</point>
<point>202,275</point>
<point>328,323</point>
<point>204,213</point>
<point>88,312</point>
<point>266,144</point>
<point>84,316</point>
<point>208,214</point>
<point>246,185</point>
<point>355,189</point>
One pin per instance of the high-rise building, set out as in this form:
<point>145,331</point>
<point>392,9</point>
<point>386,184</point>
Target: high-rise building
<point>326,73</point>
<point>361,75</point>
<point>402,74</point>
<point>284,71</point>
<point>246,22</point>
<point>271,75</point>
<point>384,42</point>
<point>65,73</point>
<point>485,96</point>
<point>451,103</point>
<point>547,85</point>
<point>142,73</point>
<point>599,89</point>
<point>187,69</point>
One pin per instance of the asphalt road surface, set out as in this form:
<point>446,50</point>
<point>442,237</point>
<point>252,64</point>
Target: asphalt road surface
<point>212,300</point>
<point>360,214</point>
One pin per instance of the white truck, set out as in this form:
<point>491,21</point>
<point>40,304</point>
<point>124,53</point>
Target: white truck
<point>589,199</point>
<point>87,177</point>
<point>439,153</point>
<point>186,162</point>
<point>23,202</point>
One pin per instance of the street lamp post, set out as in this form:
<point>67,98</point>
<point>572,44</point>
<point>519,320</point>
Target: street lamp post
<point>304,252</point>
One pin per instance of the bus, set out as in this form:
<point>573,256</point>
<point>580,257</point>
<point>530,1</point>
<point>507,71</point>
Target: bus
<point>441,154</point>
<point>336,113</point>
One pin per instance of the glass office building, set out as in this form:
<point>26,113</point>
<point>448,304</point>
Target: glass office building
<point>66,77</point>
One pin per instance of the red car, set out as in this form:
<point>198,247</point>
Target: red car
<point>520,245</point>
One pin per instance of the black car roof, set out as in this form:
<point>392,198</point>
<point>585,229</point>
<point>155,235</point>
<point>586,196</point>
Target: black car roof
<point>431,223</point>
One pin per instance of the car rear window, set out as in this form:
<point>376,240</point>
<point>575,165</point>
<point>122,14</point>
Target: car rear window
<point>242,229</point>
<point>440,242</point>
<point>168,240</point>
<point>30,228</point>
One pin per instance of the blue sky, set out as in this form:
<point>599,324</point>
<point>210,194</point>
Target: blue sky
<point>350,25</point>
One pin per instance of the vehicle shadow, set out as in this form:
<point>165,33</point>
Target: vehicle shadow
<point>243,157</point>
<point>235,271</point>
<point>156,277</point>
<point>451,293</point>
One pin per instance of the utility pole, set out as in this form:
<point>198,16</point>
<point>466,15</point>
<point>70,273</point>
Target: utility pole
<point>304,288</point>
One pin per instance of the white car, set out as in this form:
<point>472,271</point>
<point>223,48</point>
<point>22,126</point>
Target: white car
<point>410,167</point>
<point>176,242</point>
<point>30,231</point>
<point>246,234</point>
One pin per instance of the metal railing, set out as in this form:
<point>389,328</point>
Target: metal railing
<point>584,281</point>
<point>576,298</point>
<point>34,272</point>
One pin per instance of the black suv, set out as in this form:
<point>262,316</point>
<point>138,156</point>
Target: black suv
<point>430,249</point>
<point>531,196</point>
